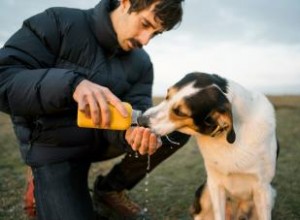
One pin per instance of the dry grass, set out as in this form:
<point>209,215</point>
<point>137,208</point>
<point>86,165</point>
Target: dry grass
<point>171,185</point>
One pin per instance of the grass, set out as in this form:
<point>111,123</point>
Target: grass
<point>172,184</point>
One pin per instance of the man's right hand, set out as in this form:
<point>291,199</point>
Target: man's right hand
<point>93,100</point>
<point>143,140</point>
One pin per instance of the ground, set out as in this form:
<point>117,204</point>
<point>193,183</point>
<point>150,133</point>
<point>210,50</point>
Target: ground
<point>171,186</point>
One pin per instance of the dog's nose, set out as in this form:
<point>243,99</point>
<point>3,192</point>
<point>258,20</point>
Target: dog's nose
<point>143,121</point>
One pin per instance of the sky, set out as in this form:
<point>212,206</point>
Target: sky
<point>253,42</point>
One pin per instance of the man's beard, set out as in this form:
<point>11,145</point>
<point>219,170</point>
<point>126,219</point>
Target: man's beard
<point>135,43</point>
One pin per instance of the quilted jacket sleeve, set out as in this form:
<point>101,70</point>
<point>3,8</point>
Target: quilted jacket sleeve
<point>28,83</point>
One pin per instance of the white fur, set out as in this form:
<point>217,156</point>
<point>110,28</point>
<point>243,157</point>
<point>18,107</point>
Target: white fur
<point>246,167</point>
<point>243,169</point>
<point>160,122</point>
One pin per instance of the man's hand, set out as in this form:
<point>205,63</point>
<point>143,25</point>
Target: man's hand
<point>142,140</point>
<point>93,100</point>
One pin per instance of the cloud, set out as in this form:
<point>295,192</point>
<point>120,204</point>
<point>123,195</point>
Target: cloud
<point>251,20</point>
<point>14,12</point>
<point>273,66</point>
<point>254,42</point>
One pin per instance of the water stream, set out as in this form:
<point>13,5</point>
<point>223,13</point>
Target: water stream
<point>146,184</point>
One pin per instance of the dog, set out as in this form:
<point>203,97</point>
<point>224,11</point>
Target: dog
<point>235,133</point>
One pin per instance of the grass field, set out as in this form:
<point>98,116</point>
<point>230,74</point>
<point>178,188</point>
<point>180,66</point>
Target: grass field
<point>171,186</point>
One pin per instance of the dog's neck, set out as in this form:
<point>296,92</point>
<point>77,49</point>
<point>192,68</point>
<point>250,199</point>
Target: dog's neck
<point>241,101</point>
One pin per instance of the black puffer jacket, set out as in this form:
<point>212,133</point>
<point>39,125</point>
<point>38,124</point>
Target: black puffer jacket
<point>41,64</point>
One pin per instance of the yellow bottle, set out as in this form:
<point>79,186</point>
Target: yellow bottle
<point>117,121</point>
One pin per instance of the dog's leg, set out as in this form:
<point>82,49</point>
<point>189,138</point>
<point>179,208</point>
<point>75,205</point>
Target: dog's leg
<point>263,199</point>
<point>218,198</point>
<point>202,206</point>
<point>246,210</point>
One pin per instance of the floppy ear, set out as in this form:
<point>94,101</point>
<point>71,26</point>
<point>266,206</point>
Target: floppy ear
<point>223,118</point>
<point>231,135</point>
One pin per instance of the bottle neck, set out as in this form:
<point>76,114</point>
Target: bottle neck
<point>134,117</point>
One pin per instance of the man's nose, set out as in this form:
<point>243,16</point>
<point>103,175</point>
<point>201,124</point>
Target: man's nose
<point>145,37</point>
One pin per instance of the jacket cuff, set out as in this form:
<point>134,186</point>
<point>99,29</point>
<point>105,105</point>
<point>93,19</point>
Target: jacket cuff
<point>75,82</point>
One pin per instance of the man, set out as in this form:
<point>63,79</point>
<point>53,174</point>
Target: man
<point>64,59</point>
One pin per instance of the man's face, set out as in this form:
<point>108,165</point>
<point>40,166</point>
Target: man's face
<point>135,29</point>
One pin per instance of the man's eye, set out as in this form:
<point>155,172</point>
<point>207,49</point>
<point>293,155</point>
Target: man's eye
<point>156,33</point>
<point>145,24</point>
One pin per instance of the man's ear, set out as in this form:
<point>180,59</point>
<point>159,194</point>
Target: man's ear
<point>125,5</point>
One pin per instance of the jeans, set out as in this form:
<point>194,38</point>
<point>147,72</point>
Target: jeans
<point>61,189</point>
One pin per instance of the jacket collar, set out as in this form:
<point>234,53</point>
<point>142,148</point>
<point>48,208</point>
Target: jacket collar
<point>103,28</point>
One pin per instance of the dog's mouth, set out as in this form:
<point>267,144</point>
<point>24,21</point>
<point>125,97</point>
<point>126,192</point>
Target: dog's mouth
<point>160,128</point>
<point>219,129</point>
<point>230,133</point>
<point>143,121</point>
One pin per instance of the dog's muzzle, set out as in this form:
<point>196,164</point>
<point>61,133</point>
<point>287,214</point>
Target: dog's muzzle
<point>143,121</point>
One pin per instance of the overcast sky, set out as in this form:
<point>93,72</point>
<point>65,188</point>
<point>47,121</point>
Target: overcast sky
<point>253,42</point>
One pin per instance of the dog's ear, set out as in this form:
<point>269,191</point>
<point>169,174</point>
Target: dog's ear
<point>224,120</point>
<point>231,135</point>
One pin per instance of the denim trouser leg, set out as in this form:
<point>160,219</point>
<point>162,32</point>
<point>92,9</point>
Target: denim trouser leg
<point>61,191</point>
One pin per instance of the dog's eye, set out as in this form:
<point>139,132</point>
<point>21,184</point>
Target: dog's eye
<point>209,121</point>
<point>168,94</point>
<point>178,112</point>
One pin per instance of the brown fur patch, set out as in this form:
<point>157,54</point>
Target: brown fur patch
<point>171,92</point>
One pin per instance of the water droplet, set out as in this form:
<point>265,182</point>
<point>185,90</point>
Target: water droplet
<point>136,155</point>
<point>148,163</point>
<point>146,184</point>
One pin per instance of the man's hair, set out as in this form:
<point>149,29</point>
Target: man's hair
<point>168,12</point>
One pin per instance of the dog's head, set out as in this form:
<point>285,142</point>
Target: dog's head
<point>195,104</point>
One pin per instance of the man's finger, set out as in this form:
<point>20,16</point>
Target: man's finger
<point>145,141</point>
<point>94,110</point>
<point>116,102</point>
<point>104,109</point>
<point>132,138</point>
<point>87,111</point>
<point>153,144</point>
<point>138,138</point>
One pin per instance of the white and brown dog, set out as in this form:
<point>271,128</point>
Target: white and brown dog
<point>235,132</point>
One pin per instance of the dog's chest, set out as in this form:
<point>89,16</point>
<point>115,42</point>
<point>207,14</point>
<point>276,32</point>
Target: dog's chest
<point>228,159</point>
<point>238,185</point>
<point>235,168</point>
